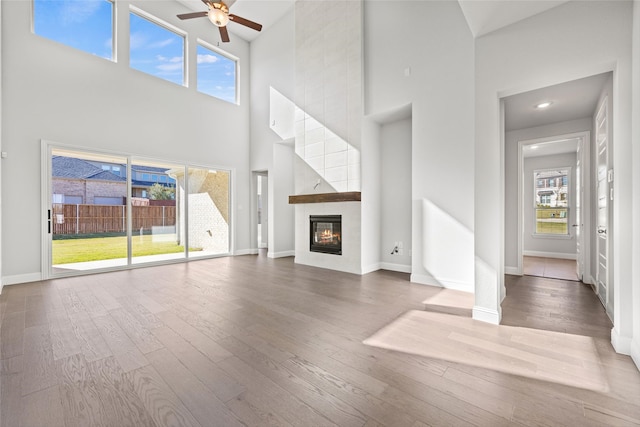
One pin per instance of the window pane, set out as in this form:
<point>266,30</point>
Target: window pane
<point>208,200</point>
<point>87,232</point>
<point>154,216</point>
<point>551,201</point>
<point>83,24</point>
<point>156,50</point>
<point>216,74</point>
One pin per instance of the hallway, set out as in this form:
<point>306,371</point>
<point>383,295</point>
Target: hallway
<point>552,268</point>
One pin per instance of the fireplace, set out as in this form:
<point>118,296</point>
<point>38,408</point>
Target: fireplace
<point>325,234</point>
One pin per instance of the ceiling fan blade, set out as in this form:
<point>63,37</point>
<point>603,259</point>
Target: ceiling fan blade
<point>245,22</point>
<point>192,15</point>
<point>224,34</point>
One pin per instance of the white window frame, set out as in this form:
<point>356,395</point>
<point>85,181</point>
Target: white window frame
<point>227,55</point>
<point>185,47</point>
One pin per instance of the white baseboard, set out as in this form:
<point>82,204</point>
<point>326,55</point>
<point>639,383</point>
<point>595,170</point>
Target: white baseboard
<point>280,254</point>
<point>253,251</point>
<point>424,279</point>
<point>400,268</point>
<point>635,352</point>
<point>559,255</point>
<point>371,268</point>
<point>512,270</point>
<point>486,315</point>
<point>620,344</point>
<point>21,278</point>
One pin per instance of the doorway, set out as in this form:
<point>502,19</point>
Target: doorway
<point>550,218</point>
<point>261,198</point>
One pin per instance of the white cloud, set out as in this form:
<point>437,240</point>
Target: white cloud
<point>137,40</point>
<point>161,43</point>
<point>170,66</point>
<point>74,11</point>
<point>207,59</point>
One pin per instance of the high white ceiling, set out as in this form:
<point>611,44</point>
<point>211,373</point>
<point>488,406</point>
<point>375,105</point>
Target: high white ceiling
<point>483,16</point>
<point>486,16</point>
<point>265,12</point>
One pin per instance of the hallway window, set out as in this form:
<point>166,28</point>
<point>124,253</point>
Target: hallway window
<point>551,201</point>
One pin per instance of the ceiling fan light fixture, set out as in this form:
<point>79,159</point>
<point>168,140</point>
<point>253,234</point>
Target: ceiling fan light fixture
<point>218,15</point>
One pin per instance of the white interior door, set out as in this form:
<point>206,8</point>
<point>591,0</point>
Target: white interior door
<point>602,216</point>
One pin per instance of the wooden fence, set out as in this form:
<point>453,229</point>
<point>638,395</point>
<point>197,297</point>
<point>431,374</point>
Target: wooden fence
<point>96,219</point>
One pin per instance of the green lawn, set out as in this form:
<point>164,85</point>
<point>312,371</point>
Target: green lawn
<point>551,227</point>
<point>67,251</point>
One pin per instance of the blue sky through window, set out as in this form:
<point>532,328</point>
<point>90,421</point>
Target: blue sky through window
<point>156,50</point>
<point>216,74</point>
<point>83,24</point>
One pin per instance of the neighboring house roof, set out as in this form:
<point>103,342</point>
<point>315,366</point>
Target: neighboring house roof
<point>70,167</point>
<point>152,169</point>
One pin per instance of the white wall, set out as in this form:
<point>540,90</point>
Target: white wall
<point>281,213</point>
<point>395,192</point>
<point>542,245</point>
<point>511,177</point>
<point>433,41</point>
<point>635,344</point>
<point>54,92</point>
<point>371,196</point>
<point>547,49</point>
<point>273,72</point>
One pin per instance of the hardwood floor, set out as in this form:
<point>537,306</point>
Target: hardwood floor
<point>552,268</point>
<point>255,341</point>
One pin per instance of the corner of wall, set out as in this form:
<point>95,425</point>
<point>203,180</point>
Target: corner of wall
<point>621,344</point>
<point>485,315</point>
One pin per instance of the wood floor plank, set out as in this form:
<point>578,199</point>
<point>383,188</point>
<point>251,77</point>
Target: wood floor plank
<point>81,396</point>
<point>268,396</point>
<point>364,402</point>
<point>11,408</point>
<point>118,395</point>
<point>64,339</point>
<point>214,351</point>
<point>40,372</point>
<point>201,402</point>
<point>219,382</point>
<point>141,336</point>
<point>12,334</point>
<point>164,407</point>
<point>123,349</point>
<point>326,404</point>
<point>43,408</point>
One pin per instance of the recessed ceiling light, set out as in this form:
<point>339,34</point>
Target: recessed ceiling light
<point>533,147</point>
<point>543,105</point>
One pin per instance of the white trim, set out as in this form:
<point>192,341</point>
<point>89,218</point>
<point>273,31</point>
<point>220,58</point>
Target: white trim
<point>620,344</point>
<point>514,271</point>
<point>558,255</point>
<point>585,136</point>
<point>485,315</point>
<point>635,352</point>
<point>281,254</point>
<point>424,279</point>
<point>245,252</point>
<point>400,268</point>
<point>370,268</point>
<point>21,278</point>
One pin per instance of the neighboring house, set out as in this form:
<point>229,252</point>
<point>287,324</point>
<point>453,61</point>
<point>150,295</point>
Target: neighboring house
<point>78,181</point>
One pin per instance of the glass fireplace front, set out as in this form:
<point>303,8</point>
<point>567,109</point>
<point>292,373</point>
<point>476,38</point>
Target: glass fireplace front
<point>326,234</point>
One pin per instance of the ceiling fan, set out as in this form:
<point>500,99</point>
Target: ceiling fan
<point>219,15</point>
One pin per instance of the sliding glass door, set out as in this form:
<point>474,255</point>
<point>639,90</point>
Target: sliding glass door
<point>110,211</point>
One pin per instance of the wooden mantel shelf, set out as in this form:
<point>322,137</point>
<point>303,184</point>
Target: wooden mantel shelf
<point>347,196</point>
